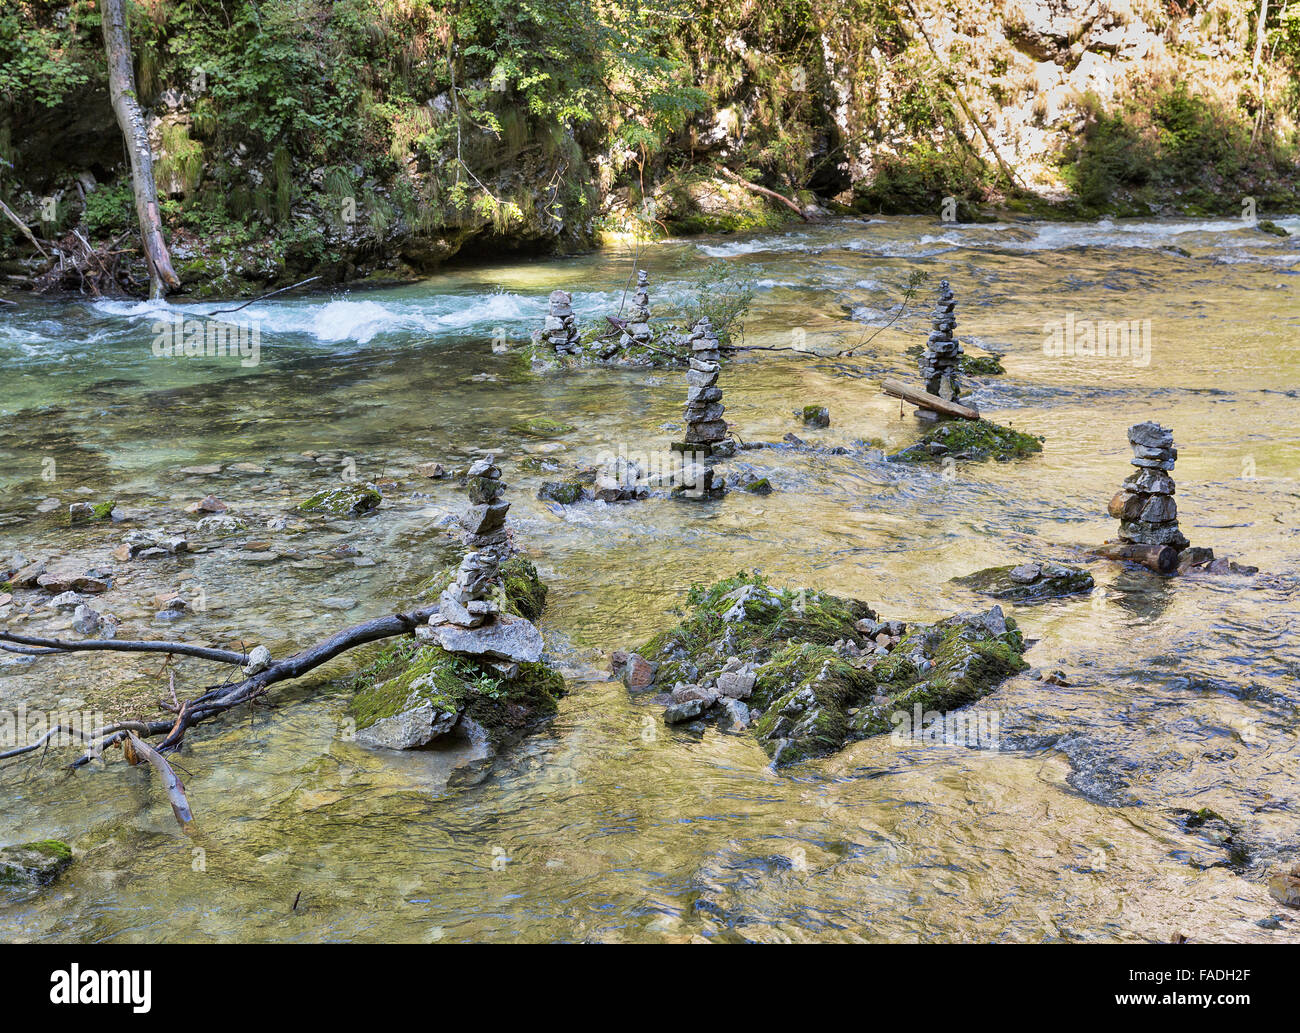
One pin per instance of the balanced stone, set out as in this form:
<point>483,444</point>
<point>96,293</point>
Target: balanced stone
<point>1145,505</point>
<point>942,356</point>
<point>638,320</point>
<point>561,327</point>
<point>706,430</point>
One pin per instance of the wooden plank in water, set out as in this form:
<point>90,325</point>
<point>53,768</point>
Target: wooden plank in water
<point>928,401</point>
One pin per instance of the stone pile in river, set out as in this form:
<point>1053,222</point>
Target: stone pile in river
<point>470,600</point>
<point>485,521</point>
<point>1144,505</point>
<point>561,328</point>
<point>638,320</point>
<point>706,430</point>
<point>942,355</point>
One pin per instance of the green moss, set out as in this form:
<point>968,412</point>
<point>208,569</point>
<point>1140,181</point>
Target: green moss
<point>540,427</point>
<point>970,439</point>
<point>1266,226</point>
<point>564,492</point>
<point>102,510</point>
<point>34,864</point>
<point>982,365</point>
<point>349,501</point>
<point>409,674</point>
<point>761,486</point>
<point>54,848</point>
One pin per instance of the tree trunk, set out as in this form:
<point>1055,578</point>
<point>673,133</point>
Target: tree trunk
<point>928,401</point>
<point>126,106</point>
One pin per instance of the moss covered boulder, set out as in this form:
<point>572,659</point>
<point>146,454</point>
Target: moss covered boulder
<point>34,864</point>
<point>976,440</point>
<point>350,500</point>
<point>540,427</point>
<point>415,693</point>
<point>1028,582</point>
<point>825,670</point>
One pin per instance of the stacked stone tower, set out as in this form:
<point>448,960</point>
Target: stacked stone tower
<point>638,320</point>
<point>485,521</point>
<point>1145,505</point>
<point>561,328</point>
<point>942,357</point>
<point>706,430</point>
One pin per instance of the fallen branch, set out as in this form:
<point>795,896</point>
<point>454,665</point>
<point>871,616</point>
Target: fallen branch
<point>925,400</point>
<point>1163,559</point>
<point>24,227</point>
<point>270,294</point>
<point>755,188</point>
<point>55,645</point>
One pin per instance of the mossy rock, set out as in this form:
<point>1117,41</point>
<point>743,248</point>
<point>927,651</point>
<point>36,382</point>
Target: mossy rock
<point>564,492</point>
<point>540,427</point>
<point>819,685</point>
<point>351,500</point>
<point>1266,226</point>
<point>413,694</point>
<point>34,864</point>
<point>761,486</point>
<point>1028,582</point>
<point>976,440</point>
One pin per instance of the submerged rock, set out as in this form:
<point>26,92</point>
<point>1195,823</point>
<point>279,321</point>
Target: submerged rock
<point>819,671</point>
<point>351,500</point>
<point>815,416</point>
<point>1028,582</point>
<point>970,439</point>
<point>34,864</point>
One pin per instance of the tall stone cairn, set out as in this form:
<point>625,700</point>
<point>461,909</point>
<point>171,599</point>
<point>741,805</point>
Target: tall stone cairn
<point>1144,505</point>
<point>705,426</point>
<point>942,357</point>
<point>485,520</point>
<point>561,328</point>
<point>638,320</point>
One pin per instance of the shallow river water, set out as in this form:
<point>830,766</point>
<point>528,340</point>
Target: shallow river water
<point>606,825</point>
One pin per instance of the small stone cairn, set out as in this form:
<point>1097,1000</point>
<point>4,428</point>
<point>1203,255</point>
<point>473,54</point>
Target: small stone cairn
<point>1144,505</point>
<point>942,356</point>
<point>638,320</point>
<point>485,520</point>
<point>561,328</point>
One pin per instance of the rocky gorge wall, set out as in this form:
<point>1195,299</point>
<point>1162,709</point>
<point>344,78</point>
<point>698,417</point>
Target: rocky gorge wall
<point>378,138</point>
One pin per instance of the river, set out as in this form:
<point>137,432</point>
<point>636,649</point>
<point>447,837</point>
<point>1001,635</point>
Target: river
<point>606,825</point>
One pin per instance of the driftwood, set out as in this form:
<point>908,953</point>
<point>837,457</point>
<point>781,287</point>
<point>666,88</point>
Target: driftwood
<point>755,188</point>
<point>217,700</point>
<point>925,400</point>
<point>1163,559</point>
<point>26,230</point>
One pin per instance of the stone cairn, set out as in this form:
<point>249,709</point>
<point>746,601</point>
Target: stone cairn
<point>561,329</point>
<point>1145,504</point>
<point>638,320</point>
<point>706,430</point>
<point>469,600</point>
<point>942,357</point>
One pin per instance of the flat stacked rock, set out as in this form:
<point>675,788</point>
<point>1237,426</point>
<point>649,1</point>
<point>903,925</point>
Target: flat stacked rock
<point>1144,505</point>
<point>470,600</point>
<point>485,521</point>
<point>561,329</point>
<point>705,427</point>
<point>942,356</point>
<point>706,430</point>
<point>638,320</point>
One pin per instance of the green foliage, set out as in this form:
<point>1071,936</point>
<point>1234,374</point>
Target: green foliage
<point>109,209</point>
<point>724,296</point>
<point>44,58</point>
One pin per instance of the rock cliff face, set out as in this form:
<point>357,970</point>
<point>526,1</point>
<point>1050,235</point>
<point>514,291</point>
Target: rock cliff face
<point>335,143</point>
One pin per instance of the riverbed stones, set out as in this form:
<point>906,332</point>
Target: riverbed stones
<point>941,359</point>
<point>561,327</point>
<point>638,320</point>
<point>1145,505</point>
<point>1028,582</point>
